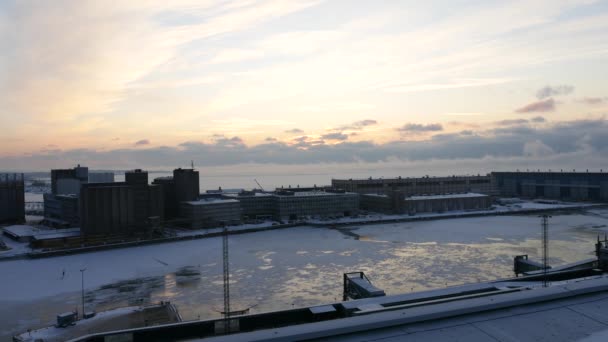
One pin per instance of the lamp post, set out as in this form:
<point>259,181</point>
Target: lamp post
<point>82,277</point>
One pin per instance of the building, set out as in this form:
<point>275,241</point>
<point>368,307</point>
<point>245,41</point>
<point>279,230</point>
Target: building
<point>126,207</point>
<point>168,190</point>
<point>395,202</point>
<point>418,186</point>
<point>211,212</point>
<point>446,203</point>
<point>101,177</point>
<point>574,186</point>
<point>61,210</point>
<point>12,198</point>
<point>20,233</point>
<point>61,206</point>
<point>106,208</point>
<point>186,185</point>
<point>182,186</point>
<point>67,181</point>
<point>292,205</point>
<point>255,205</point>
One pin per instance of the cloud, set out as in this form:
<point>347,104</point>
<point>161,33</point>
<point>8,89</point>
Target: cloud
<point>512,122</point>
<point>537,149</point>
<point>563,140</point>
<point>142,142</point>
<point>294,131</point>
<point>418,128</point>
<point>549,91</point>
<point>594,100</point>
<point>547,105</point>
<point>334,136</point>
<point>270,139</point>
<point>538,119</point>
<point>358,125</point>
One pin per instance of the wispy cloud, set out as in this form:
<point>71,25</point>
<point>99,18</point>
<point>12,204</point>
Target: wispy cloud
<point>549,91</point>
<point>594,100</point>
<point>419,128</point>
<point>547,105</point>
<point>294,131</point>
<point>142,142</point>
<point>512,122</point>
<point>334,136</point>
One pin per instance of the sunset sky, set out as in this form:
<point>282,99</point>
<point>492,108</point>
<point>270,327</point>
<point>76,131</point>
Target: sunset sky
<point>118,84</point>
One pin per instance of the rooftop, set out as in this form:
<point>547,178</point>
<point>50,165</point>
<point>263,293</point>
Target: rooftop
<point>445,196</point>
<point>21,230</point>
<point>208,201</point>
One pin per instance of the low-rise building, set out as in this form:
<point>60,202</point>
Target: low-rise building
<point>397,203</point>
<point>574,186</point>
<point>418,185</point>
<point>446,203</point>
<point>210,212</point>
<point>294,205</point>
<point>254,204</point>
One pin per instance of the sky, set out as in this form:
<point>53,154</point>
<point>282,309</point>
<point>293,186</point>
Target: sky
<point>156,84</point>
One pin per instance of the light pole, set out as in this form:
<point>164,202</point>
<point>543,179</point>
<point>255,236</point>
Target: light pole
<point>82,277</point>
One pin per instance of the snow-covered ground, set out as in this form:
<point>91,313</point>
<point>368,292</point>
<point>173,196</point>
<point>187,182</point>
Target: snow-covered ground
<point>52,333</point>
<point>293,267</point>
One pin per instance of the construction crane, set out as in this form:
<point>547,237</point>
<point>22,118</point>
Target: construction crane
<point>256,181</point>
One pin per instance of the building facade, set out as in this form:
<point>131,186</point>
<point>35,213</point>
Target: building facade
<point>294,205</point>
<point>418,186</point>
<point>12,198</point>
<point>106,209</point>
<point>446,203</point>
<point>126,207</point>
<point>210,212</point>
<point>67,178</point>
<point>182,186</point>
<point>575,186</point>
<point>396,202</point>
<point>255,205</point>
<point>61,210</point>
<point>186,185</point>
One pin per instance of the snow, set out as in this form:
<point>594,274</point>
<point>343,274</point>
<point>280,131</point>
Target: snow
<point>57,233</point>
<point>15,248</point>
<point>600,336</point>
<point>211,201</point>
<point>299,266</point>
<point>446,196</point>
<point>21,230</point>
<point>54,333</point>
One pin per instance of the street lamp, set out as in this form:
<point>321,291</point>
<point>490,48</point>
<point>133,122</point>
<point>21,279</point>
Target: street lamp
<point>82,277</point>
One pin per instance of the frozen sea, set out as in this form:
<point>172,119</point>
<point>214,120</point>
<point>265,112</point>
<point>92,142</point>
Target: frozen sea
<point>288,268</point>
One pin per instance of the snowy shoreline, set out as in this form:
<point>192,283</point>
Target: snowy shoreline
<point>522,209</point>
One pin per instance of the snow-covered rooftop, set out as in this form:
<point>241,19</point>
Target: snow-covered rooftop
<point>21,230</point>
<point>56,233</point>
<point>445,196</point>
<point>208,201</point>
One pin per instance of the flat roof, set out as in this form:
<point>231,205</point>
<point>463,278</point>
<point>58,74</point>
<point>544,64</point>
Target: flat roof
<point>211,201</point>
<point>316,193</point>
<point>21,230</point>
<point>408,178</point>
<point>445,196</point>
<point>57,234</point>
